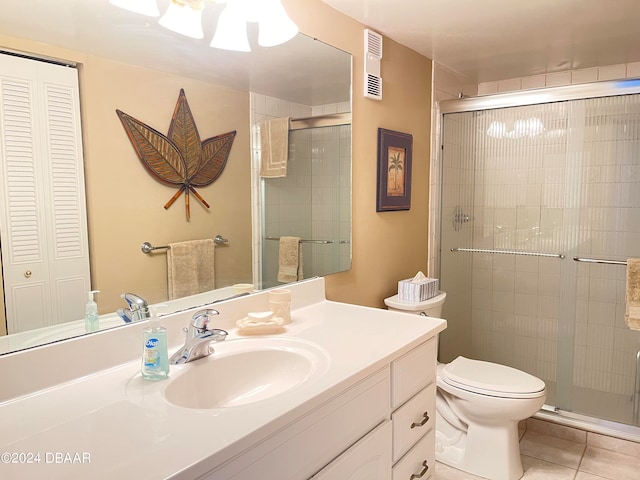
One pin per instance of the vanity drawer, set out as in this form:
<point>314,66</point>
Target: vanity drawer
<point>413,420</point>
<point>369,459</point>
<point>412,372</point>
<point>419,462</point>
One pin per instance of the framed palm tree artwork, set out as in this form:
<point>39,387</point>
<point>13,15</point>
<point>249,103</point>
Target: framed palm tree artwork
<point>394,170</point>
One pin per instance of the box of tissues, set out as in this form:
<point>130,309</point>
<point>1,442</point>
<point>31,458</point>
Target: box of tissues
<point>417,289</point>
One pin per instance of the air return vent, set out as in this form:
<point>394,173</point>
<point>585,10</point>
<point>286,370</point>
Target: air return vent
<point>373,55</point>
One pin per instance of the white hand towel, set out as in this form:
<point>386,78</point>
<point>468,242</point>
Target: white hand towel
<point>632,314</point>
<point>290,260</point>
<point>274,147</point>
<point>190,268</point>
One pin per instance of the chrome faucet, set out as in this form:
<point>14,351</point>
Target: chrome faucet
<point>198,338</point>
<point>138,308</point>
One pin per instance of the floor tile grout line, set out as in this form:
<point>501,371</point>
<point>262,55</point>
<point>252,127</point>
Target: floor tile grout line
<point>584,451</point>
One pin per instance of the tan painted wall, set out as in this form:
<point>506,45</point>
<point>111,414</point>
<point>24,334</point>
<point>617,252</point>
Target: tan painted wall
<point>392,245</point>
<point>125,204</point>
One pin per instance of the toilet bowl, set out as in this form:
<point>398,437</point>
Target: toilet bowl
<point>478,407</point>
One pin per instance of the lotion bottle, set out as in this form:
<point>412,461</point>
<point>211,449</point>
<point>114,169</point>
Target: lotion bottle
<point>155,358</point>
<point>91,317</point>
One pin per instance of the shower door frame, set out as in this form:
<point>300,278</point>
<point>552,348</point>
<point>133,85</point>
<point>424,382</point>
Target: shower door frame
<point>535,97</point>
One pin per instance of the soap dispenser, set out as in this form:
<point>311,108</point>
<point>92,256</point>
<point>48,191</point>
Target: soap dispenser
<point>91,317</point>
<point>155,359</point>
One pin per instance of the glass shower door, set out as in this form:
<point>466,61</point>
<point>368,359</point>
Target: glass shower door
<point>525,190</point>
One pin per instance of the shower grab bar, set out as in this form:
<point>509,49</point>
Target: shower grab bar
<point>147,248</point>
<point>599,260</point>
<point>509,252</point>
<point>302,241</point>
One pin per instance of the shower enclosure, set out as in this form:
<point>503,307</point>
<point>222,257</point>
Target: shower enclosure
<point>312,202</point>
<point>540,209</point>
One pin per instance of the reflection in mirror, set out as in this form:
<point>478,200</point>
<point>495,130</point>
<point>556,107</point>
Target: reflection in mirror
<point>125,61</point>
<point>312,203</point>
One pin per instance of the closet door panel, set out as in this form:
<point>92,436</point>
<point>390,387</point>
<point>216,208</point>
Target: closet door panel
<point>43,217</point>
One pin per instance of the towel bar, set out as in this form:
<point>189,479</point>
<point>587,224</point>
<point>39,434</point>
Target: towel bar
<point>509,252</point>
<point>302,241</point>
<point>146,247</point>
<point>598,260</point>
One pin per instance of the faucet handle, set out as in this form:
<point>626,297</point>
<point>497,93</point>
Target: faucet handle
<point>217,334</point>
<point>201,319</point>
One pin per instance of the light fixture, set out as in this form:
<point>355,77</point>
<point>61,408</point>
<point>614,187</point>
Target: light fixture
<point>144,7</point>
<point>231,32</point>
<point>184,17</point>
<point>275,26</point>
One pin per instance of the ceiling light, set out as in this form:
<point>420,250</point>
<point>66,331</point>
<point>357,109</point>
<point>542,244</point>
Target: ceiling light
<point>231,32</point>
<point>144,7</point>
<point>184,17</point>
<point>275,26</point>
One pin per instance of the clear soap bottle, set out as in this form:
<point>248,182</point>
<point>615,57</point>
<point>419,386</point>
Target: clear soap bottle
<point>91,318</point>
<point>155,359</point>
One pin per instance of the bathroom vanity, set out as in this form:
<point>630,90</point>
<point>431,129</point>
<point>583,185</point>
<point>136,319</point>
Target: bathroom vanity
<point>346,392</point>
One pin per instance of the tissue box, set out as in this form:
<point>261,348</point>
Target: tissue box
<point>415,292</point>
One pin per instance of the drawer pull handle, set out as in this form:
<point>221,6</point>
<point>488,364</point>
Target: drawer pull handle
<point>425,419</point>
<point>422,473</point>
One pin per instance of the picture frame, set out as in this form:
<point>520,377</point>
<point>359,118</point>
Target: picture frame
<point>394,170</point>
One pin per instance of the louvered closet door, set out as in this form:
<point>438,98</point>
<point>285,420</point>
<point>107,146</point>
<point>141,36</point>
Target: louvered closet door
<point>43,225</point>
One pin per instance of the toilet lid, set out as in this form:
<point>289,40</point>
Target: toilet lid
<point>491,379</point>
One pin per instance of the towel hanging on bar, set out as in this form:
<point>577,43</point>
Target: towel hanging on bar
<point>632,294</point>
<point>190,268</point>
<point>274,147</point>
<point>290,260</point>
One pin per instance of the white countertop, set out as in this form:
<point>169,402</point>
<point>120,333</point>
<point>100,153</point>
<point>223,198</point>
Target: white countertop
<point>113,424</point>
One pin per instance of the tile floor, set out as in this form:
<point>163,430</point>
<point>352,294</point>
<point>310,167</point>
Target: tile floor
<point>554,452</point>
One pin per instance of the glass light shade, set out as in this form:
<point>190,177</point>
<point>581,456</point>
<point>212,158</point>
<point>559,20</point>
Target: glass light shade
<point>144,7</point>
<point>275,26</point>
<point>252,10</point>
<point>183,20</point>
<point>231,32</point>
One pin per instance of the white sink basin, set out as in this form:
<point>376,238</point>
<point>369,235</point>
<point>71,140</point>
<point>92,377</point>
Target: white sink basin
<point>244,371</point>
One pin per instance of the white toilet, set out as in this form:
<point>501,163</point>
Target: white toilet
<point>478,407</point>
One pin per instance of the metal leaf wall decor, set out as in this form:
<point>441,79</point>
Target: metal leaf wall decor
<point>179,158</point>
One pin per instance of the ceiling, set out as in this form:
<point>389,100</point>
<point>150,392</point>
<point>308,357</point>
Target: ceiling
<point>484,40</point>
<point>97,27</point>
<point>488,40</point>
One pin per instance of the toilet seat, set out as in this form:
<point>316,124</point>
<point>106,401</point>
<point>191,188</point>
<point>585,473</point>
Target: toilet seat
<point>492,379</point>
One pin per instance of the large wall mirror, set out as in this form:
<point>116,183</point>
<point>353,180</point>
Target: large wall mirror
<point>128,62</point>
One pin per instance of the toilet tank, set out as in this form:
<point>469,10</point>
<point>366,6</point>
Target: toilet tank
<point>429,308</point>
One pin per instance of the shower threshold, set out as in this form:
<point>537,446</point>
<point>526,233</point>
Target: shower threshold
<point>589,424</point>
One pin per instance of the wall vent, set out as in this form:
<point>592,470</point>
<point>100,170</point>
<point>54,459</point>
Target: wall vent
<point>373,43</point>
<point>373,55</point>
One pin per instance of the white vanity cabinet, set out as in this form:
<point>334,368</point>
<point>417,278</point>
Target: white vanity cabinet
<point>364,412</point>
<point>414,412</point>
<point>381,428</point>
